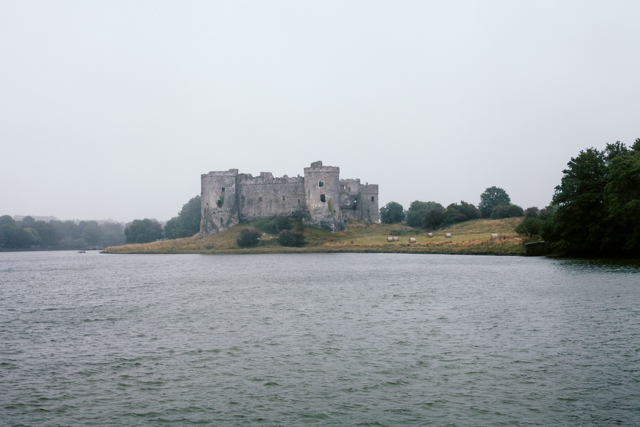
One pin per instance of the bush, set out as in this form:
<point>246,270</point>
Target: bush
<point>273,225</point>
<point>433,219</point>
<point>530,227</point>
<point>506,211</point>
<point>291,238</point>
<point>248,238</point>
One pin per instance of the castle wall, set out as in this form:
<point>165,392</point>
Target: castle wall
<point>321,199</point>
<point>265,196</point>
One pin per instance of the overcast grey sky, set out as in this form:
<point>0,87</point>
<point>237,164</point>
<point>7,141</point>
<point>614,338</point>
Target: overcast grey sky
<point>113,109</point>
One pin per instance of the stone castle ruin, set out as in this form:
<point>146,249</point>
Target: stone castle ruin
<point>320,199</point>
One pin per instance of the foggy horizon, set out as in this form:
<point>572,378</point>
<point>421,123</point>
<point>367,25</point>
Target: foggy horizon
<point>113,110</point>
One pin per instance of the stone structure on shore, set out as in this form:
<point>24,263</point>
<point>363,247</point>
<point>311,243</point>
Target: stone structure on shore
<point>320,199</point>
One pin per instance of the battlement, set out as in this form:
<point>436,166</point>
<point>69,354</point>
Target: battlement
<point>267,178</point>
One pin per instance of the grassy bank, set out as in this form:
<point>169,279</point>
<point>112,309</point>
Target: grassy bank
<point>472,237</point>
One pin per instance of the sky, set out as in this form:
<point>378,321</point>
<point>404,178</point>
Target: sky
<point>113,109</point>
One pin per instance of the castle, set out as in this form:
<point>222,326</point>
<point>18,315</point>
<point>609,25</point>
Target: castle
<point>320,199</point>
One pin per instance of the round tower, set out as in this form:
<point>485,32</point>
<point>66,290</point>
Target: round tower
<point>322,191</point>
<point>218,198</point>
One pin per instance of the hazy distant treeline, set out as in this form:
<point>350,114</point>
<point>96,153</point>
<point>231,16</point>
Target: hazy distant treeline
<point>32,234</point>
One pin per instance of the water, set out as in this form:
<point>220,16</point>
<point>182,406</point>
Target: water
<point>320,339</point>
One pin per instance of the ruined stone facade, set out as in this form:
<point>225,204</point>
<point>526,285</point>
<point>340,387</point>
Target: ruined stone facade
<point>320,198</point>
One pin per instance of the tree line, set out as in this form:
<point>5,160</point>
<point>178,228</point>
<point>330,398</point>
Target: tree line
<point>494,203</point>
<point>31,234</point>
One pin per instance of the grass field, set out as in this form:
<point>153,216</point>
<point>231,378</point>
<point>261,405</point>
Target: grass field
<point>472,237</point>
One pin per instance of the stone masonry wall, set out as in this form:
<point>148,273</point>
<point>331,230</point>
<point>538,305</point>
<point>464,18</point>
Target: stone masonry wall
<point>265,196</point>
<point>321,199</point>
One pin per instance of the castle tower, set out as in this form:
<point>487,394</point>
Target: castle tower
<point>322,188</point>
<point>219,204</point>
<point>369,202</point>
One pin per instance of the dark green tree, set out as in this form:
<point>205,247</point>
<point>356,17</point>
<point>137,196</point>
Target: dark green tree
<point>187,223</point>
<point>578,223</point>
<point>492,197</point>
<point>143,231</point>
<point>418,210</point>
<point>622,202</point>
<point>456,213</point>
<point>433,219</point>
<point>392,213</point>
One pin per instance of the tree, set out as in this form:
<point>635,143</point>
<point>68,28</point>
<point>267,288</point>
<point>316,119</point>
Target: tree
<point>6,219</point>
<point>187,223</point>
<point>143,231</point>
<point>622,202</point>
<point>14,237</point>
<point>578,223</point>
<point>392,213</point>
<point>433,219</point>
<point>418,210</point>
<point>492,197</point>
<point>456,213</point>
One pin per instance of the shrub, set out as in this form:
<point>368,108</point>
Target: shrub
<point>530,227</point>
<point>291,238</point>
<point>248,238</point>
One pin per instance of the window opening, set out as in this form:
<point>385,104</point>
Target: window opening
<point>223,189</point>
<point>321,184</point>
<point>372,199</point>
<point>322,198</point>
<point>260,198</point>
<point>298,201</point>
<point>283,198</point>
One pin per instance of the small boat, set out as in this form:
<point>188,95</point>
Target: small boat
<point>82,252</point>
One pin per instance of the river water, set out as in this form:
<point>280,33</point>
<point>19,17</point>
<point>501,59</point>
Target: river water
<point>317,339</point>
